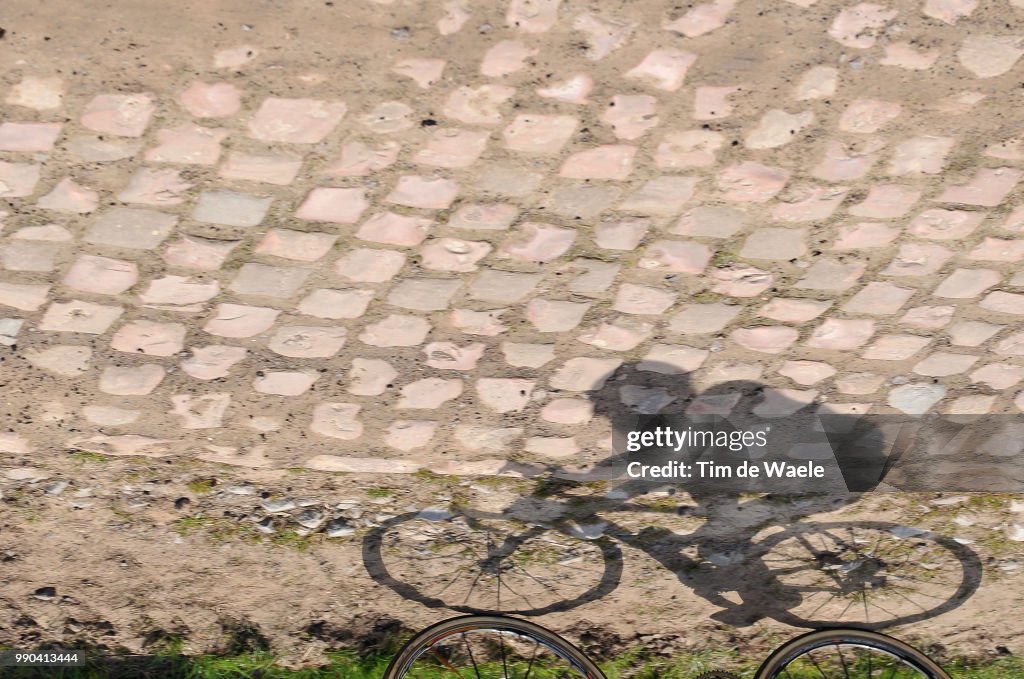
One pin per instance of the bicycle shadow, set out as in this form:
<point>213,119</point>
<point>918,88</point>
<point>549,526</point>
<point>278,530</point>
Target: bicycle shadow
<point>867,574</point>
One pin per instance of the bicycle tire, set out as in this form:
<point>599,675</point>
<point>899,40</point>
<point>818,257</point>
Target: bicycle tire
<point>780,659</point>
<point>423,641</point>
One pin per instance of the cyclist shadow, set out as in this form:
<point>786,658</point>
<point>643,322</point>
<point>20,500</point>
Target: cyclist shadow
<point>648,395</point>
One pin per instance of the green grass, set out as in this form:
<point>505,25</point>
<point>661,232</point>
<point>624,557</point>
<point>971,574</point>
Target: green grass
<point>380,492</point>
<point>171,664</point>
<point>88,456</point>
<point>201,486</point>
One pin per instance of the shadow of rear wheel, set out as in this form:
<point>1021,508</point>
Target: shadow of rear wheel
<point>489,565</point>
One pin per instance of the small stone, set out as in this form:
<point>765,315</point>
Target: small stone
<point>987,56</point>
<point>396,331</point>
<point>926,155</point>
<point>429,393</point>
<point>486,323</point>
<point>452,148</point>
<point>239,321</point>
<point>967,283</point>
<point>537,242</point>
<point>945,224</point>
<point>407,435</point>
<point>777,128</point>
<point>280,282</point>
<point>504,395</point>
<point>631,116</point>
<point>508,56</point>
<point>453,254</point>
<point>767,339</point>
<point>38,93</point>
<point>865,116</point>
<point>131,381</point>
<point>928,317</point>
<point>234,57</point>
<point>18,180</point>
<point>307,341</point>
<point>477,106</point>
<point>793,310</point>
<point>878,298</point>
<point>740,280</point>
<point>211,100</point>
<point>370,377</point>
<point>817,83</point>
<point>110,416</point>
<point>603,35</point>
<point>131,228</point>
<point>203,254</point>
<point>621,334</point>
<point>394,229</point>
<point>678,256</point>
<point>150,338</point>
<point>63,360</point>
<point>336,304</point>
<point>493,217</point>
<point>188,144</point>
<point>664,68</point>
<point>973,333</point>
<point>101,275</point>
<point>296,121</point>
<point>78,316</point>
<point>388,117</point>
<point>692,148</point>
<point>28,137</point>
<point>775,243</point>
<point>702,319</point>
<point>916,399</point>
<point>639,299</point>
<point>285,382</point>
<point>67,196</point>
<point>751,182</point>
<point>584,374</point>
<point>614,162</point>
<point>711,103</point>
<point>423,192</point>
<point>571,91</point>
<point>231,208</point>
<point>541,134</point>
<point>424,72</point>
<point>841,334</point>
<point>200,412</point>
<point>502,287</point>
<point>124,115</point>
<point>527,355</point>
<point>99,149</point>
<point>829,274</point>
<point>449,356</point>
<point>271,168</point>
<point>859,25</point>
<point>423,294</point>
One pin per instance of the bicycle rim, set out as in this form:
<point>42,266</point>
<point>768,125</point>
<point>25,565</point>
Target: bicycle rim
<point>489,647</point>
<point>848,654</point>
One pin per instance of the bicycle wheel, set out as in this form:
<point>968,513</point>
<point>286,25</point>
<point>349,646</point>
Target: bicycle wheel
<point>868,575</point>
<point>489,647</point>
<point>848,654</point>
<point>489,564</point>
